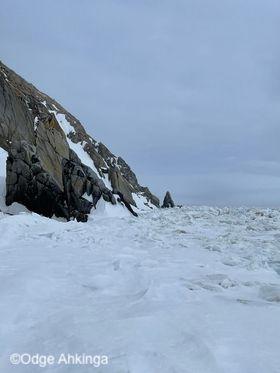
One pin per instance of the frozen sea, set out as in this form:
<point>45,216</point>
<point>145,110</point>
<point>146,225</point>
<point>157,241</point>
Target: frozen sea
<point>190,290</point>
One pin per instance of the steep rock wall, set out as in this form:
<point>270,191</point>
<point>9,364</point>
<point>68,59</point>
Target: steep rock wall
<point>53,162</point>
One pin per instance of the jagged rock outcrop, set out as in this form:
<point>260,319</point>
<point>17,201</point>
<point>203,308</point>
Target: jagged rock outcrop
<point>168,201</point>
<point>28,183</point>
<point>44,171</point>
<point>80,180</point>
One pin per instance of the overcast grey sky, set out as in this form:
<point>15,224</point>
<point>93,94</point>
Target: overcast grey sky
<point>186,91</point>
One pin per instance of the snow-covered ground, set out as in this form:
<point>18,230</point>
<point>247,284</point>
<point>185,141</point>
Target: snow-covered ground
<point>184,290</point>
<point>3,157</point>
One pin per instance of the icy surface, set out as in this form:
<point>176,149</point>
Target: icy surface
<point>183,290</point>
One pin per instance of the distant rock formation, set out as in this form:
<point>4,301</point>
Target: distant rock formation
<point>168,201</point>
<point>54,167</point>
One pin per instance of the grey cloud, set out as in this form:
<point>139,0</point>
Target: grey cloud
<point>187,91</point>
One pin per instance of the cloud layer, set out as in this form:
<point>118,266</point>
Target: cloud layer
<point>187,91</point>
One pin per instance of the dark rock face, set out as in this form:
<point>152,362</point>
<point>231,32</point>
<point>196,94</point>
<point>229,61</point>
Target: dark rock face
<point>43,173</point>
<point>168,201</point>
<point>78,180</point>
<point>123,179</point>
<point>96,187</point>
<point>29,184</point>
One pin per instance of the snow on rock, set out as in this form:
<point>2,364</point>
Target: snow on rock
<point>141,202</point>
<point>175,290</point>
<point>78,147</point>
<point>63,122</point>
<point>104,209</point>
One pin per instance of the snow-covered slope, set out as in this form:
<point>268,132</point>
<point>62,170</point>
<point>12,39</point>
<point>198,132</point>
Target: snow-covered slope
<point>191,290</point>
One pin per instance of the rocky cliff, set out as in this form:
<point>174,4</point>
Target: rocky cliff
<point>53,166</point>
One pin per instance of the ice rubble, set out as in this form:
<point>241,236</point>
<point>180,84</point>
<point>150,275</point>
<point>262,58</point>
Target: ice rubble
<point>191,290</point>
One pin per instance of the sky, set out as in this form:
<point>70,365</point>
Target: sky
<point>186,91</point>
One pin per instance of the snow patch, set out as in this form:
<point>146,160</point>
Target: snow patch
<point>36,120</point>
<point>105,210</point>
<point>77,147</point>
<point>142,202</point>
<point>64,124</point>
